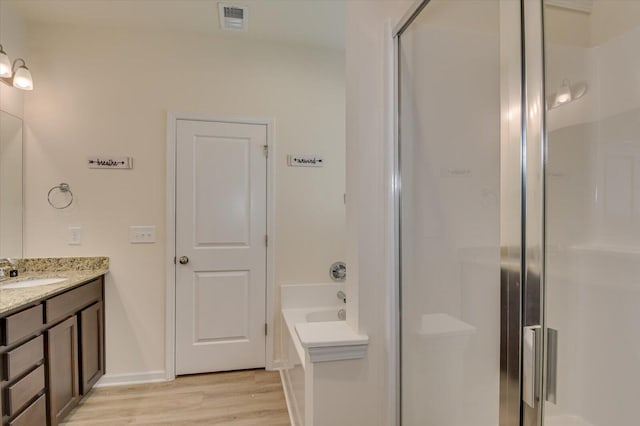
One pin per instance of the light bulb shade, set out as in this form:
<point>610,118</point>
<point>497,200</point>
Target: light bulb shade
<point>5,65</point>
<point>22,79</point>
<point>564,93</point>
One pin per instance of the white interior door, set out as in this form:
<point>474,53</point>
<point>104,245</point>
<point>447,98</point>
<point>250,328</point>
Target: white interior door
<point>221,181</point>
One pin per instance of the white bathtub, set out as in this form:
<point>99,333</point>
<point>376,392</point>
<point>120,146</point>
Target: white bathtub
<point>321,315</point>
<point>291,317</point>
<point>316,345</point>
<point>295,373</point>
<point>303,303</point>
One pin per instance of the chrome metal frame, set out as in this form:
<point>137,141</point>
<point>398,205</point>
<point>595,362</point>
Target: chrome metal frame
<point>522,240</point>
<point>535,170</point>
<point>512,221</point>
<point>522,220</point>
<point>397,186</point>
<point>409,16</point>
<point>402,25</point>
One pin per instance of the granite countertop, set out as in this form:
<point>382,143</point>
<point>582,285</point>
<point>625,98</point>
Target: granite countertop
<point>75,270</point>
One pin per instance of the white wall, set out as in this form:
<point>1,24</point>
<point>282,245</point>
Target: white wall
<point>12,38</point>
<point>367,381</point>
<point>101,91</point>
<point>10,186</point>
<point>612,18</point>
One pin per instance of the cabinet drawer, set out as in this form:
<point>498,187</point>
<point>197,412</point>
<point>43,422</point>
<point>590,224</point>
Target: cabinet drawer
<point>24,389</point>
<point>16,326</point>
<point>72,301</point>
<point>23,358</point>
<point>34,415</point>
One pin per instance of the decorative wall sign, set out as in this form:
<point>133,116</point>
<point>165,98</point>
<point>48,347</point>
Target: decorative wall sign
<point>110,162</point>
<point>305,160</point>
<point>456,172</point>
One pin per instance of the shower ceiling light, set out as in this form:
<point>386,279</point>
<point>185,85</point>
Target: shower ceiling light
<point>22,76</point>
<point>566,93</point>
<point>17,75</point>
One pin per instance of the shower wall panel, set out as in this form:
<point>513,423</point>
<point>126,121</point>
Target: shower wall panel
<point>593,222</point>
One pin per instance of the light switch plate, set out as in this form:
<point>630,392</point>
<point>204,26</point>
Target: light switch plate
<point>142,234</point>
<point>75,236</point>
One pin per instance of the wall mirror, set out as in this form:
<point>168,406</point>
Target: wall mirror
<point>10,185</point>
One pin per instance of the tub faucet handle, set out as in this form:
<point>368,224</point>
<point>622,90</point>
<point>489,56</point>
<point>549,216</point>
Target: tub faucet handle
<point>342,296</point>
<point>338,271</point>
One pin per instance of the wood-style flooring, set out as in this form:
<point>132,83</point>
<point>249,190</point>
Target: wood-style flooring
<point>238,398</point>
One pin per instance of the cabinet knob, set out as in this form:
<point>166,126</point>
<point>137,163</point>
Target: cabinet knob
<point>183,260</point>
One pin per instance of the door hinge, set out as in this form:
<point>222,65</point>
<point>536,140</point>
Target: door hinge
<point>266,240</point>
<point>266,329</point>
<point>174,260</point>
<point>266,151</point>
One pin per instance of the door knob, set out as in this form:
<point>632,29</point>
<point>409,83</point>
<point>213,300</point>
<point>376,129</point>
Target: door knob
<point>183,260</point>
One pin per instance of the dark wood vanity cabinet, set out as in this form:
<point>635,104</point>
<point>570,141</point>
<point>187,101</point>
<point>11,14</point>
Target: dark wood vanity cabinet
<point>92,346</point>
<point>62,372</point>
<point>22,368</point>
<point>51,354</point>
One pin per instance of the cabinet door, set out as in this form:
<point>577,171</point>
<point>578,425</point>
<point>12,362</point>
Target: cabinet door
<point>91,346</point>
<point>62,369</point>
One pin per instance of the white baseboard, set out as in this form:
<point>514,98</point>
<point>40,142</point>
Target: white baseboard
<point>276,364</point>
<point>285,389</point>
<point>131,378</point>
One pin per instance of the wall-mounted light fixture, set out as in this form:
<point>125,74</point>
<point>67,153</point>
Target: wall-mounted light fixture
<point>16,75</point>
<point>5,64</point>
<point>566,93</point>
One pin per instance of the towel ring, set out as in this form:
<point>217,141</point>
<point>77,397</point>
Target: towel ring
<point>64,188</point>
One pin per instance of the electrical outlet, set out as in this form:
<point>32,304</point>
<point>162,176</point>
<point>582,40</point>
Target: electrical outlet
<point>142,234</point>
<point>75,236</point>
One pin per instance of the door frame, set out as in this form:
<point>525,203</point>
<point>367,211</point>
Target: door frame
<point>170,308</point>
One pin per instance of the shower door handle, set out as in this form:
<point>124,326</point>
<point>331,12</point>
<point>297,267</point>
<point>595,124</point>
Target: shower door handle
<point>530,364</point>
<point>552,365</point>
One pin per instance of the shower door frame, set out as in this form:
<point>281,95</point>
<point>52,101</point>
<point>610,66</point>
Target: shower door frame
<point>522,267</point>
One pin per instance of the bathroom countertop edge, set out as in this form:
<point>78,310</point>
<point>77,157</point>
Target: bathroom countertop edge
<point>15,299</point>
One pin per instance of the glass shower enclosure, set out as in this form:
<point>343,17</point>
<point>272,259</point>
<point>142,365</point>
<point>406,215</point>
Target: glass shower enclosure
<point>518,206</point>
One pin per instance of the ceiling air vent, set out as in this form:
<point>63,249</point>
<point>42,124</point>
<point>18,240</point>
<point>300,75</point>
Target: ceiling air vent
<point>233,17</point>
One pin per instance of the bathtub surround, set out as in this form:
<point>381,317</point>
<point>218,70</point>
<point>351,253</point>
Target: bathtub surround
<point>300,301</point>
<point>325,341</point>
<point>315,344</point>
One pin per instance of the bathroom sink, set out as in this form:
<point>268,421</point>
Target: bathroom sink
<point>32,282</point>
